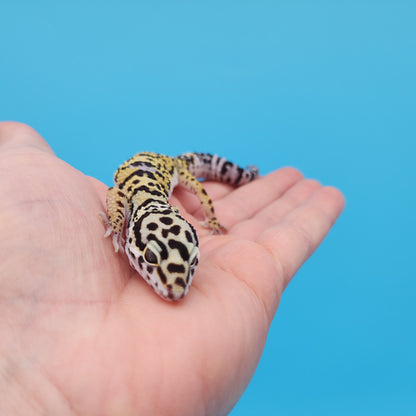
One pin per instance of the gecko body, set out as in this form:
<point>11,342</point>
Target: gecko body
<point>160,244</point>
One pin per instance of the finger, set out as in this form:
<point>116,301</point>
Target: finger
<point>191,203</point>
<point>14,134</point>
<point>217,190</point>
<point>272,214</point>
<point>298,234</point>
<point>242,203</point>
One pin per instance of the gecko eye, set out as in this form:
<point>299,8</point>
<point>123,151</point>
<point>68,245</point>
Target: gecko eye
<point>150,257</point>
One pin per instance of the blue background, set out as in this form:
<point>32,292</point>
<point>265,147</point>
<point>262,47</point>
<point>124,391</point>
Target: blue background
<point>328,87</point>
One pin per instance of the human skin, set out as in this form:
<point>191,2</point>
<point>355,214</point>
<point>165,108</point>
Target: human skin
<point>81,333</point>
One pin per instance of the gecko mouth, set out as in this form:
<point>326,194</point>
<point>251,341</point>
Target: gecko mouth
<point>174,296</point>
<point>167,292</point>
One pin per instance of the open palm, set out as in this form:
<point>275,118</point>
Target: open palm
<point>82,333</point>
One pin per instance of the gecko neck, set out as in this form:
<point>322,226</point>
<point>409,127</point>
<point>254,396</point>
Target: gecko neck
<point>151,205</point>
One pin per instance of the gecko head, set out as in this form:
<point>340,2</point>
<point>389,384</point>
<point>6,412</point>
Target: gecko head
<point>163,248</point>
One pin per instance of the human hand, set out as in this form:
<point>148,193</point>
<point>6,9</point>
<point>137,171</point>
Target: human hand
<point>82,333</point>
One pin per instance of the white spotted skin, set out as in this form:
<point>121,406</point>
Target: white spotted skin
<point>163,248</point>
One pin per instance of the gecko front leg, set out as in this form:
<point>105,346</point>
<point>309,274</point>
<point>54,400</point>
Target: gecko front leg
<point>118,214</point>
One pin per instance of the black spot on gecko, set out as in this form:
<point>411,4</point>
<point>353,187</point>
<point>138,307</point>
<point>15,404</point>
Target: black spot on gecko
<point>162,275</point>
<point>141,261</point>
<point>166,220</point>
<point>176,268</point>
<point>146,189</point>
<point>195,234</point>
<point>163,250</point>
<point>225,167</point>
<point>188,236</point>
<point>175,230</point>
<point>137,231</point>
<point>137,173</point>
<point>165,212</point>
<point>152,226</point>
<point>180,247</point>
<point>148,202</point>
<point>240,174</point>
<point>141,163</point>
<point>180,282</point>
